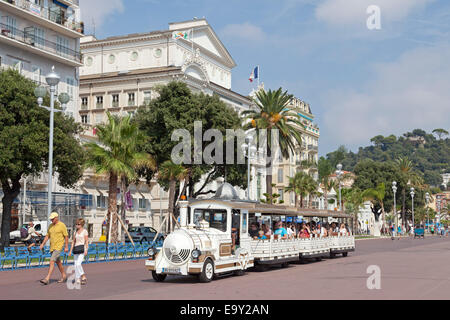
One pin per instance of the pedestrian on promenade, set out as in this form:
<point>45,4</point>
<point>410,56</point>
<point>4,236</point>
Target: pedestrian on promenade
<point>79,249</point>
<point>59,240</point>
<point>30,240</point>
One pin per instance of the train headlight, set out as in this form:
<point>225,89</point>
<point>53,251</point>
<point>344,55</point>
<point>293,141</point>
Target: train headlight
<point>152,252</point>
<point>196,254</point>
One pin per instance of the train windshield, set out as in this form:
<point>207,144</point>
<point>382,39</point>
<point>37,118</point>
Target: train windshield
<point>217,219</point>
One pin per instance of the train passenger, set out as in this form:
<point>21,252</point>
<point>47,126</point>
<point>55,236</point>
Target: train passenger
<point>253,231</point>
<point>267,231</point>
<point>343,230</point>
<point>261,235</point>
<point>290,231</point>
<point>304,232</point>
<point>321,231</point>
<point>280,232</point>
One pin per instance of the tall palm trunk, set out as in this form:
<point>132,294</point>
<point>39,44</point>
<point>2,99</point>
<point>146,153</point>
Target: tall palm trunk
<point>112,207</point>
<point>404,208</point>
<point>172,186</point>
<point>269,181</point>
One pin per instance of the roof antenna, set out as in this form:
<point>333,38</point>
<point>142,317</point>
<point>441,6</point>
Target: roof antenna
<point>93,25</point>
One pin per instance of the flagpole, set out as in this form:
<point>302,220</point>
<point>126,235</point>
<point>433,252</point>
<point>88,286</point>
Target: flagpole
<point>259,75</point>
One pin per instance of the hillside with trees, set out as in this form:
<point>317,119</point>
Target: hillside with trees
<point>428,152</point>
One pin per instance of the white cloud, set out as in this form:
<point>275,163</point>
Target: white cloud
<point>354,12</point>
<point>245,31</point>
<point>99,10</point>
<point>412,92</point>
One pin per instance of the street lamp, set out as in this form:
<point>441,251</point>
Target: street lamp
<point>248,150</point>
<point>427,199</point>
<point>412,206</point>
<point>52,80</point>
<point>339,173</point>
<point>394,189</point>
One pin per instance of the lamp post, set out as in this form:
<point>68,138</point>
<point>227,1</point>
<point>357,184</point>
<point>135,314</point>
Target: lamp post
<point>52,80</point>
<point>339,175</point>
<point>248,150</point>
<point>394,189</point>
<point>427,199</point>
<point>412,193</point>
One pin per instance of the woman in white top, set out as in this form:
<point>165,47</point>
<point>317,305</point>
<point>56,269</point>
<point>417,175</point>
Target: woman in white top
<point>79,249</point>
<point>343,230</point>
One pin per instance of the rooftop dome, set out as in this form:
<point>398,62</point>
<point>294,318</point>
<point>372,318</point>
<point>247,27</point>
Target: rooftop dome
<point>226,192</point>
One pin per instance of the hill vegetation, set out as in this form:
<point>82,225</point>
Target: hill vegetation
<point>428,152</point>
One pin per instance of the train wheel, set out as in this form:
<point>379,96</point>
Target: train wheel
<point>239,273</point>
<point>261,268</point>
<point>208,272</point>
<point>158,277</point>
<point>345,254</point>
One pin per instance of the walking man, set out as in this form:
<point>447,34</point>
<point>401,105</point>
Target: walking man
<point>59,239</point>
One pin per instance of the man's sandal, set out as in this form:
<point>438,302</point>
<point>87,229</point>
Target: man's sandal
<point>44,282</point>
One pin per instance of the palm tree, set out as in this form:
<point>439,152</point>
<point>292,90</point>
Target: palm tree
<point>117,155</point>
<point>301,184</point>
<point>440,133</point>
<point>405,166</point>
<point>376,196</point>
<point>272,112</point>
<point>173,173</point>
<point>325,171</point>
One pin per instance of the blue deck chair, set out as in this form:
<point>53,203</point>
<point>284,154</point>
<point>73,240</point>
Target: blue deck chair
<point>9,255</point>
<point>102,250</point>
<point>46,254</point>
<point>35,253</point>
<point>92,251</point>
<point>130,251</point>
<point>145,247</point>
<point>121,251</point>
<point>138,250</point>
<point>22,254</point>
<point>111,252</point>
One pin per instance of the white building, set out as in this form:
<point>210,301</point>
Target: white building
<point>120,74</point>
<point>36,35</point>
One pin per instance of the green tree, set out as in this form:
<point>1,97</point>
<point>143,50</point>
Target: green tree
<point>376,196</point>
<point>440,133</point>
<point>301,184</point>
<point>178,108</point>
<point>325,171</point>
<point>117,154</point>
<point>272,112</point>
<point>24,137</point>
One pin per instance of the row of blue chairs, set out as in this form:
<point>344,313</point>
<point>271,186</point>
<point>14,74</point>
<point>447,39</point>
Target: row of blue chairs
<point>20,258</point>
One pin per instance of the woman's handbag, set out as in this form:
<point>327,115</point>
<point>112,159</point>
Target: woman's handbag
<point>78,249</point>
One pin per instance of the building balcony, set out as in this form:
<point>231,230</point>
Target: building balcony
<point>84,107</point>
<point>115,104</point>
<point>99,105</point>
<point>53,18</point>
<point>26,39</point>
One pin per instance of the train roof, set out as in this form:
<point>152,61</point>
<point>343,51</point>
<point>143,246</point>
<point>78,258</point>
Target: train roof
<point>263,208</point>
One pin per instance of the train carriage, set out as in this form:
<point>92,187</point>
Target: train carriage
<point>213,238</point>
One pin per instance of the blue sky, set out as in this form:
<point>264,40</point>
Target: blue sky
<point>359,82</point>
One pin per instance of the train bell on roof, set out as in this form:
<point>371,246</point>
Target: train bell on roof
<point>226,192</point>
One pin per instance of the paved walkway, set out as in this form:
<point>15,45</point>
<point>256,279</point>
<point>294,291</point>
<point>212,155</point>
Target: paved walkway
<point>410,269</point>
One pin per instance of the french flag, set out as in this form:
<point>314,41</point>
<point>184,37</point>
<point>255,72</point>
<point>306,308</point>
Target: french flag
<point>254,75</point>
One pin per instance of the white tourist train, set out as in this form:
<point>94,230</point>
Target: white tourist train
<point>213,238</point>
